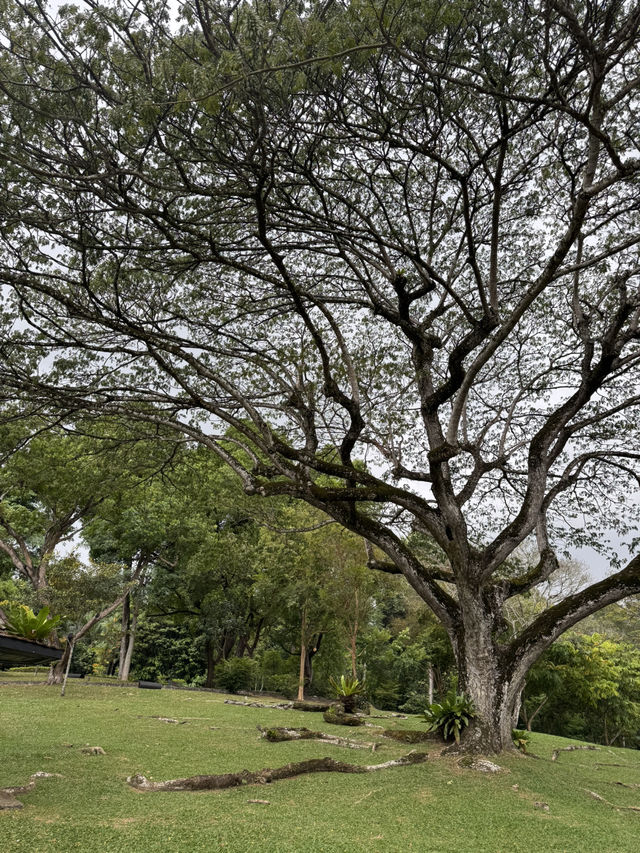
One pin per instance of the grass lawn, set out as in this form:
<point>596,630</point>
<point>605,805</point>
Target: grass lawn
<point>438,806</point>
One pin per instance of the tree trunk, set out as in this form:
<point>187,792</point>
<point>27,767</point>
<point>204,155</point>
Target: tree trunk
<point>125,667</point>
<point>430,688</point>
<point>256,638</point>
<point>483,679</point>
<point>211,664</point>
<point>57,670</point>
<point>303,656</point>
<point>529,720</point>
<point>241,647</point>
<point>124,639</point>
<point>353,638</point>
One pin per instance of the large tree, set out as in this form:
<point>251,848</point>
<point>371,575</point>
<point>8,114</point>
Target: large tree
<point>403,232</point>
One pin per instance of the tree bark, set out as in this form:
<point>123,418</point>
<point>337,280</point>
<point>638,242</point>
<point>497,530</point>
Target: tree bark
<point>133,627</point>
<point>354,637</point>
<point>211,664</point>
<point>303,656</point>
<point>262,777</point>
<point>484,678</point>
<point>124,639</point>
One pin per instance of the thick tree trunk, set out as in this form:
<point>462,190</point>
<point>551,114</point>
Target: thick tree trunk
<point>483,678</point>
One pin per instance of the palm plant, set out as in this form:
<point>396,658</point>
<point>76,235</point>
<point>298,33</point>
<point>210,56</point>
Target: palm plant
<point>450,716</point>
<point>347,690</point>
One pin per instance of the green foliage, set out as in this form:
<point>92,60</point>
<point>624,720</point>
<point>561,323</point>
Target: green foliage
<point>417,700</point>
<point>347,686</point>
<point>84,657</point>
<point>590,688</point>
<point>21,621</point>
<point>236,674</point>
<point>282,683</point>
<point>166,651</point>
<point>450,716</point>
<point>521,739</point>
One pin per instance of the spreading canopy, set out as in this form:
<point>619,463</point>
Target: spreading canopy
<point>401,232</point>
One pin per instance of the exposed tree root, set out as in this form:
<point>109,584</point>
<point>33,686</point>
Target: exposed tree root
<point>613,805</point>
<point>282,706</point>
<point>268,774</point>
<point>7,795</point>
<point>388,716</point>
<point>556,752</point>
<point>281,733</point>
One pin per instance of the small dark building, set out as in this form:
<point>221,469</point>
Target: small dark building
<point>14,651</point>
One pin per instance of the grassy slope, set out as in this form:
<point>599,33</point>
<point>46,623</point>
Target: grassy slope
<point>437,806</point>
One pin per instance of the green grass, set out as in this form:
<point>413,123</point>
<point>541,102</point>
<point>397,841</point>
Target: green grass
<point>437,807</point>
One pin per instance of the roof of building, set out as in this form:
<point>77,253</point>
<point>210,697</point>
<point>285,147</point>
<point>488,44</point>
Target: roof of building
<point>15,651</point>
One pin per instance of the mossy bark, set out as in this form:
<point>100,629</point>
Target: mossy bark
<point>268,775</point>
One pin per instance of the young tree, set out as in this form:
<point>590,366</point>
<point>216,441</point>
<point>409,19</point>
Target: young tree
<point>47,487</point>
<point>399,231</point>
<point>87,594</point>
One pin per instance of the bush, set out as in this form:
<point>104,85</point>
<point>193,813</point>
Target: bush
<point>83,658</point>
<point>235,674</point>
<point>285,683</point>
<point>450,716</point>
<point>416,703</point>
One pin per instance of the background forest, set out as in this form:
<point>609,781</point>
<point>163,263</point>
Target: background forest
<point>163,569</point>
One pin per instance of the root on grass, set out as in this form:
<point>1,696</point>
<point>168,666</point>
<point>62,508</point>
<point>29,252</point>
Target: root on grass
<point>277,734</point>
<point>282,706</point>
<point>556,752</point>
<point>613,805</point>
<point>268,774</point>
<point>7,795</point>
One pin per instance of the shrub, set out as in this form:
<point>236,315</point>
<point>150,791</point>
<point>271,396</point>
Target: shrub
<point>450,716</point>
<point>235,674</point>
<point>416,702</point>
<point>284,683</point>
